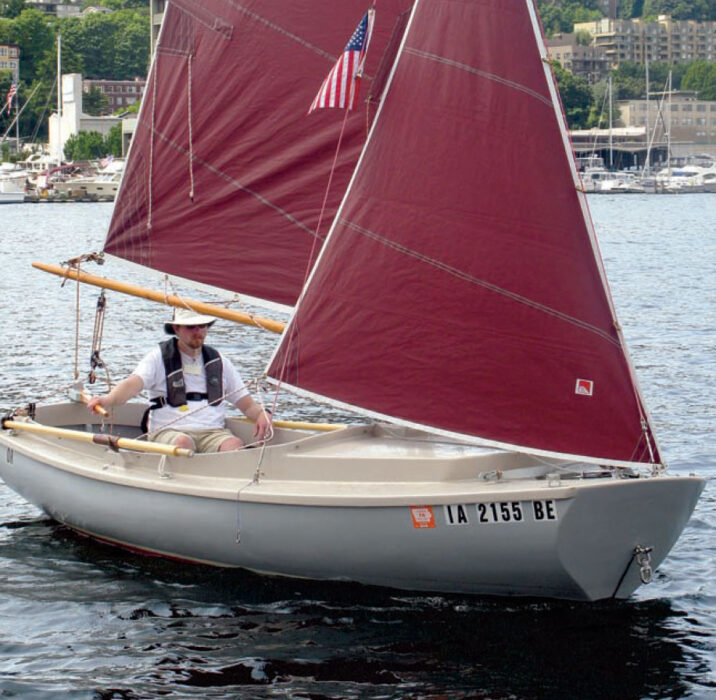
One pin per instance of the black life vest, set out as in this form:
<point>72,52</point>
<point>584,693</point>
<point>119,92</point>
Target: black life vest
<point>176,387</point>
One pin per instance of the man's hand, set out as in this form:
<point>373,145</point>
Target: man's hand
<point>263,428</point>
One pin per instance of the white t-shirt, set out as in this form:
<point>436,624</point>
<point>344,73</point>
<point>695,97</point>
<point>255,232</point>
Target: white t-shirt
<point>151,371</point>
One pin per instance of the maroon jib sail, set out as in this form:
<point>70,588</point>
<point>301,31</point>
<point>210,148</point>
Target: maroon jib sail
<point>461,288</point>
<point>227,175</point>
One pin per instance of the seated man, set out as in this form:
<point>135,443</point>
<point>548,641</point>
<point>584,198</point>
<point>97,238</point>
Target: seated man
<point>187,382</point>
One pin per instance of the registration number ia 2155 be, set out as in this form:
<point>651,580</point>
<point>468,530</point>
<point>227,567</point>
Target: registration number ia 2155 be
<point>494,512</point>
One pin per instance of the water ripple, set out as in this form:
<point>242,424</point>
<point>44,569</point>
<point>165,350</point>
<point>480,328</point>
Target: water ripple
<point>82,620</point>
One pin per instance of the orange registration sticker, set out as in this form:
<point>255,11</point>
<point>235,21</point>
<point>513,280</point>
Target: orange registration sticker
<point>422,516</point>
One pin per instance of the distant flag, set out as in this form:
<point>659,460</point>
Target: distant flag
<point>340,88</point>
<point>11,93</point>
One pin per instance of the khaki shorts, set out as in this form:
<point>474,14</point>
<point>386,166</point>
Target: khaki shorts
<point>204,440</point>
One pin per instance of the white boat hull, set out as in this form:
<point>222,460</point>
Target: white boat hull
<point>321,509</point>
<point>12,197</point>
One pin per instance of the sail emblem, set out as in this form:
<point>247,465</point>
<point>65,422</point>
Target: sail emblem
<point>423,516</point>
<point>584,387</point>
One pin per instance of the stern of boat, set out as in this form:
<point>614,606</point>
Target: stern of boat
<point>615,534</point>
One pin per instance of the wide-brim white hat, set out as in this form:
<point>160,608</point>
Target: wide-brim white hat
<point>187,317</point>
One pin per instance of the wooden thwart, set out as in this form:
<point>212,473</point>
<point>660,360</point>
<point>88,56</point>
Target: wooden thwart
<point>170,299</point>
<point>100,439</point>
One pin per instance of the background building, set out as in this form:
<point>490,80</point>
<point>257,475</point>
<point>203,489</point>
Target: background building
<point>119,93</point>
<point>665,40</point>
<point>72,120</point>
<point>10,60</point>
<point>691,122</point>
<point>156,8</point>
<point>588,62</point>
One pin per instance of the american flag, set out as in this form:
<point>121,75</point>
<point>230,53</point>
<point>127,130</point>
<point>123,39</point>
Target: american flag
<point>340,88</point>
<point>11,93</point>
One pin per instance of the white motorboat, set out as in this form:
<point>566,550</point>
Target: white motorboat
<point>101,186</point>
<point>458,305</point>
<point>13,180</point>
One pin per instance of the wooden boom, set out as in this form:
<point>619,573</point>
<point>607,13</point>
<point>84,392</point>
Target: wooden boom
<point>171,299</point>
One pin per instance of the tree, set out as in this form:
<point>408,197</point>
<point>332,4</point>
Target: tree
<point>11,8</point>
<point>561,16</point>
<point>132,46</point>
<point>576,97</point>
<point>85,146</point>
<point>32,32</point>
<point>98,36</point>
<point>702,10</point>
<point>95,102</point>
<point>629,81</point>
<point>89,145</point>
<point>113,142</point>
<point>701,77</point>
<point>599,110</point>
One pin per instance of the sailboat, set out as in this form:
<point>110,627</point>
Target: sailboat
<point>502,445</point>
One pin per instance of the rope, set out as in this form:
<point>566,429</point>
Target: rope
<point>95,357</point>
<point>151,147</point>
<point>294,332</point>
<point>191,139</point>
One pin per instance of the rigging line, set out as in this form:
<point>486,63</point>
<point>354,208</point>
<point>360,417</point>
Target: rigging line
<point>41,119</point>
<point>478,72</point>
<point>210,20</point>
<point>294,326</point>
<point>191,136</point>
<point>479,282</point>
<point>151,145</point>
<point>227,178</point>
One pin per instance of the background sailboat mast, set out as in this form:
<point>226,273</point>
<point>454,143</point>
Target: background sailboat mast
<point>611,140</point>
<point>17,123</point>
<point>59,100</point>
<point>668,131</point>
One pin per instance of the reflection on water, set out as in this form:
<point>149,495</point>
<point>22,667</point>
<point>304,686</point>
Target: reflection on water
<point>81,619</point>
<point>146,626</point>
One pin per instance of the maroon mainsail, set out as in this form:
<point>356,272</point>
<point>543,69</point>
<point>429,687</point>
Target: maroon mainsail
<point>227,175</point>
<point>460,288</point>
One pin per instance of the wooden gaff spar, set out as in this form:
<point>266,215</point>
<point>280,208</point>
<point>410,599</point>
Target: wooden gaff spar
<point>170,299</point>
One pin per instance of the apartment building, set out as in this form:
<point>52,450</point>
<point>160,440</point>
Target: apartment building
<point>156,9</point>
<point>665,40</point>
<point>689,120</point>
<point>10,60</point>
<point>60,8</point>
<point>589,62</point>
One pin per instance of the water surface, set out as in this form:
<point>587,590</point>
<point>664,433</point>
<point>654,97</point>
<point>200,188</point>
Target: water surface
<point>78,619</point>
